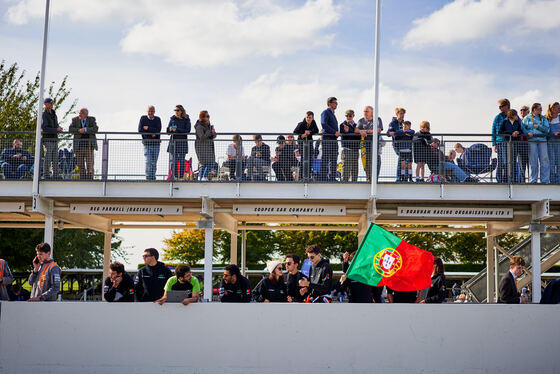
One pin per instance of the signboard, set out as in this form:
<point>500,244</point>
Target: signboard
<point>290,209</point>
<point>126,209</point>
<point>456,212</point>
<point>12,207</point>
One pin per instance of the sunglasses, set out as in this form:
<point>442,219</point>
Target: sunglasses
<point>288,263</point>
<point>311,257</point>
<point>524,110</point>
<point>502,106</point>
<point>146,256</point>
<point>177,110</point>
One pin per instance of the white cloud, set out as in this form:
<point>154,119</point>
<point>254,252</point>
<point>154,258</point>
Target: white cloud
<point>464,20</point>
<point>200,34</point>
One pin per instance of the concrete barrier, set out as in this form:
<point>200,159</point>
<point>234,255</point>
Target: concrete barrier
<point>277,338</point>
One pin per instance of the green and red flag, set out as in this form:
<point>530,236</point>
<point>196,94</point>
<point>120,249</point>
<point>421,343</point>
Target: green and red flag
<point>384,259</point>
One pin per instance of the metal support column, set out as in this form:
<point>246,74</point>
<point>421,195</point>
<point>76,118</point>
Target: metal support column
<point>536,229</point>
<point>106,257</point>
<point>375,136</point>
<point>49,232</point>
<point>243,251</point>
<point>496,268</point>
<point>233,249</point>
<point>490,267</point>
<point>208,251</point>
<point>38,158</point>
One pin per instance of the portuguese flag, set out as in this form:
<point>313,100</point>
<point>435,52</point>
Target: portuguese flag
<point>383,259</point>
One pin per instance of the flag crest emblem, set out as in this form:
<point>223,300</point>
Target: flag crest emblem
<point>387,262</point>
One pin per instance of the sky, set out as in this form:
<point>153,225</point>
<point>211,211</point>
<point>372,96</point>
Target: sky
<point>261,64</point>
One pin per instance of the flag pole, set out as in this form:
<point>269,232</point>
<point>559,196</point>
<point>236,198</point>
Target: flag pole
<point>375,136</point>
<point>37,161</point>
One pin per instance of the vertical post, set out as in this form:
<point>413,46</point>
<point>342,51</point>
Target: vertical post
<point>49,232</point>
<point>375,136</point>
<point>233,249</point>
<point>106,257</point>
<point>243,251</point>
<point>37,162</point>
<point>490,266</point>
<point>208,251</point>
<point>496,270</point>
<point>105,159</point>
<point>536,264</point>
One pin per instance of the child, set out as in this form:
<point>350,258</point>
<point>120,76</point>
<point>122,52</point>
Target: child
<point>422,141</point>
<point>403,140</point>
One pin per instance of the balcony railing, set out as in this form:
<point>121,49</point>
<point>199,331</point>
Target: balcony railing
<point>118,156</point>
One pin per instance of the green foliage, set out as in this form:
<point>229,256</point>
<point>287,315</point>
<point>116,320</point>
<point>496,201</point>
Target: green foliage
<point>19,99</point>
<point>73,248</point>
<point>464,247</point>
<point>187,246</point>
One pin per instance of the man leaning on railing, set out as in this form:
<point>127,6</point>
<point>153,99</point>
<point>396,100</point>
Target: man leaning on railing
<point>84,129</point>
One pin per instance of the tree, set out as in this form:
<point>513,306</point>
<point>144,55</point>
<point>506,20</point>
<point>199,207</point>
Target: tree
<point>73,248</point>
<point>187,246</point>
<point>464,247</point>
<point>19,99</point>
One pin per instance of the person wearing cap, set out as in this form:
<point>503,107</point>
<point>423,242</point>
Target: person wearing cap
<point>234,287</point>
<point>271,289</point>
<point>329,142</point>
<point>50,130</point>
<point>350,148</point>
<point>84,128</point>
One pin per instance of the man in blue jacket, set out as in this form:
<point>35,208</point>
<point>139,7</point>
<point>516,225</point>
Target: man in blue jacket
<point>15,161</point>
<point>150,126</point>
<point>329,143</point>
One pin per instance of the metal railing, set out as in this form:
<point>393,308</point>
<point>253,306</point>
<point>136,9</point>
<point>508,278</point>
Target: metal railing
<point>237,157</point>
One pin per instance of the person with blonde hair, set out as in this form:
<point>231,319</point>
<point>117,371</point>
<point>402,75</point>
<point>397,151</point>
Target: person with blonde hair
<point>498,141</point>
<point>422,141</point>
<point>536,127</point>
<point>553,117</point>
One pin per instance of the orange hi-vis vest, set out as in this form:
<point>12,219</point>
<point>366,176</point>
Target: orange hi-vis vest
<point>46,269</point>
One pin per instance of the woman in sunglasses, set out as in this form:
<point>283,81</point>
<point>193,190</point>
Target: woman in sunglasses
<point>536,126</point>
<point>179,126</point>
<point>271,289</point>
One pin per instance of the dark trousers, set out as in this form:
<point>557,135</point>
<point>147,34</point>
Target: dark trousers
<point>84,158</point>
<point>329,160</point>
<point>283,171</point>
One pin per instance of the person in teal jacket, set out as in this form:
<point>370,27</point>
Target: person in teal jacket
<point>536,126</point>
<point>498,141</point>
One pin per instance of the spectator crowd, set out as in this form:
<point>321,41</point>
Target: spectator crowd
<point>155,282</point>
<point>526,143</point>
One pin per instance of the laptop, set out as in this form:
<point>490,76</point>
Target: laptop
<point>178,296</point>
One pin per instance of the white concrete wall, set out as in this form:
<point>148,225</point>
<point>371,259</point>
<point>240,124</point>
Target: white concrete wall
<point>277,338</point>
